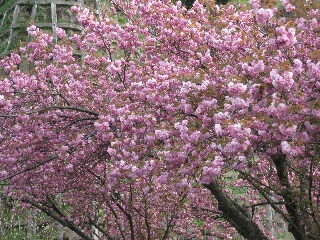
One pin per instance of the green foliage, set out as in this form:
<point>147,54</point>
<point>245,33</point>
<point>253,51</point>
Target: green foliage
<point>187,3</point>
<point>241,1</point>
<point>3,43</point>
<point>7,4</point>
<point>7,21</point>
<point>43,14</point>
<point>18,223</point>
<point>19,36</point>
<point>122,19</point>
<point>15,226</point>
<point>20,234</point>
<point>24,15</point>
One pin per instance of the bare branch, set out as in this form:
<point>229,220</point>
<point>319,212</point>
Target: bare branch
<point>78,109</point>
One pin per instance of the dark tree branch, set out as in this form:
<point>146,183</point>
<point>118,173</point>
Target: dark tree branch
<point>173,214</point>
<point>235,214</point>
<point>294,226</point>
<point>65,223</point>
<point>129,217</point>
<point>114,213</point>
<point>96,225</point>
<point>30,168</point>
<point>73,108</point>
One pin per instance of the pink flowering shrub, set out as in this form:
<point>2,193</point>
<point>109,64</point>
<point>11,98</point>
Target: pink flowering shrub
<point>164,116</point>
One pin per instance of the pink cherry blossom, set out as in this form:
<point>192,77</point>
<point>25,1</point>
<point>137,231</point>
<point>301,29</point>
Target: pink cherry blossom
<point>264,15</point>
<point>148,135</point>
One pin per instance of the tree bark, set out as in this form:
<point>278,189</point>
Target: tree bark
<point>235,214</point>
<point>296,212</point>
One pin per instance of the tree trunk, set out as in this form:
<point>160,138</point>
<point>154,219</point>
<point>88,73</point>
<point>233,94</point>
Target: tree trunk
<point>299,221</point>
<point>235,214</point>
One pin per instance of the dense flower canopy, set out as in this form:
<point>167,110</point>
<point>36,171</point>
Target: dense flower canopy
<point>161,113</point>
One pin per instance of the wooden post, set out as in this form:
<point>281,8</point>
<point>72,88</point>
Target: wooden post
<point>14,21</point>
<point>270,219</point>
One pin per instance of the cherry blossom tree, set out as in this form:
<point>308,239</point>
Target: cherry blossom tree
<point>177,123</point>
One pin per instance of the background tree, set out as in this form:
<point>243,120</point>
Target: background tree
<point>176,122</point>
